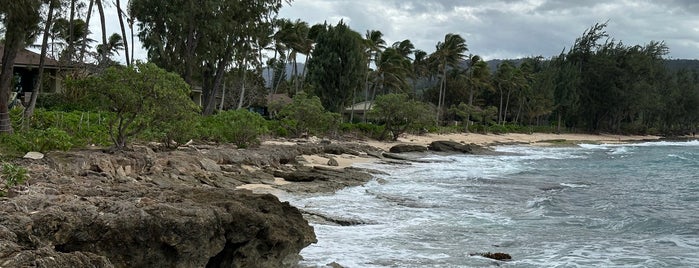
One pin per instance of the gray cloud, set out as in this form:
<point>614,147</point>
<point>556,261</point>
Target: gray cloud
<point>513,28</point>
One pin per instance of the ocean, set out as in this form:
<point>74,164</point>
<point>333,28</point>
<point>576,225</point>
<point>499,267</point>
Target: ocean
<point>626,205</point>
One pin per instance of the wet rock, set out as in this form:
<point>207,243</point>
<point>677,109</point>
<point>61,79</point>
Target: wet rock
<point>455,147</point>
<point>407,148</point>
<point>334,265</point>
<point>495,256</point>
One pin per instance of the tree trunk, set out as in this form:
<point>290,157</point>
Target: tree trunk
<point>500,107</point>
<point>29,112</point>
<point>442,91</point>
<point>242,88</point>
<point>303,73</point>
<point>210,104</point>
<point>71,32</point>
<point>14,41</point>
<point>507,104</point>
<point>100,9</point>
<point>87,25</point>
<point>123,32</point>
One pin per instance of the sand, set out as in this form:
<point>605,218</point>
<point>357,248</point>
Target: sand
<point>511,138</point>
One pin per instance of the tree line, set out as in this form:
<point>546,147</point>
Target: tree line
<point>225,48</point>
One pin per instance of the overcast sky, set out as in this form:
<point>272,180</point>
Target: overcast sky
<point>502,29</point>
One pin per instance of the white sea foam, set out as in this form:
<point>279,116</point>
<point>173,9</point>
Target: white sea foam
<point>434,214</point>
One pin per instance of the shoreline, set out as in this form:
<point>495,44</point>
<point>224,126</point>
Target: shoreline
<point>345,161</point>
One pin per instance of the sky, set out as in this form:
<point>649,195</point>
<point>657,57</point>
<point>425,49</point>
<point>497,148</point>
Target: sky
<point>507,29</point>
<point>501,29</point>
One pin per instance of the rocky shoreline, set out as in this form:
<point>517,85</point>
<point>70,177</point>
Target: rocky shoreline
<point>189,207</point>
<point>182,208</point>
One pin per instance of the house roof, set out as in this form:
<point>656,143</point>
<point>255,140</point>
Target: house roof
<point>26,58</point>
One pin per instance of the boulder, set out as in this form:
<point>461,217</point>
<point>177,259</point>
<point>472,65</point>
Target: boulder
<point>407,148</point>
<point>333,162</point>
<point>149,226</point>
<point>455,147</point>
<point>209,165</point>
<point>34,155</point>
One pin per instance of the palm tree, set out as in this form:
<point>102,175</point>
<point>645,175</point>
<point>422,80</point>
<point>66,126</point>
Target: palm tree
<point>83,48</point>
<point>29,112</point>
<point>299,43</point>
<point>505,83</point>
<point>374,44</point>
<point>419,67</point>
<point>69,35</point>
<point>281,38</point>
<point>449,54</point>
<point>392,69</point>
<point>100,9</point>
<point>21,20</point>
<point>404,48</point>
<point>120,14</point>
<point>112,47</point>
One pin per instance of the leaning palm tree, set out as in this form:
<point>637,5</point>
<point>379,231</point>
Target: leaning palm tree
<point>29,112</point>
<point>374,44</point>
<point>114,44</point>
<point>404,48</point>
<point>449,54</point>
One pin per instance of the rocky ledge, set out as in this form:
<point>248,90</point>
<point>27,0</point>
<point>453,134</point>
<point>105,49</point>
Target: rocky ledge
<point>179,208</point>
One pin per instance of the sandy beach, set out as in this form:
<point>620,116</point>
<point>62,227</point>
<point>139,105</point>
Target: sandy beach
<point>540,139</point>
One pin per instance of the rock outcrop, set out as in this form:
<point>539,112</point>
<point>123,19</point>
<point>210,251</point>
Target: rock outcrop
<point>455,147</point>
<point>179,208</point>
<point>407,148</point>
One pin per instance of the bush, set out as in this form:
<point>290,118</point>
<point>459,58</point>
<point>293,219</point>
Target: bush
<point>83,127</point>
<point>239,127</point>
<point>11,175</point>
<point>306,116</point>
<point>400,114</point>
<point>143,97</point>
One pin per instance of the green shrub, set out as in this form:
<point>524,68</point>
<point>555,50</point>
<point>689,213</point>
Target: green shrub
<point>399,114</point>
<point>306,116</point>
<point>83,127</point>
<point>239,127</point>
<point>11,175</point>
<point>141,97</point>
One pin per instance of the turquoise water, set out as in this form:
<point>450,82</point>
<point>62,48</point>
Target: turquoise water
<point>634,205</point>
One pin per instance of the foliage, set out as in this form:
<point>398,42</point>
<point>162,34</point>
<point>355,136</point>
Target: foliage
<point>11,175</point>
<point>400,114</point>
<point>200,39</point>
<point>337,68</point>
<point>56,130</point>
<point>240,127</point>
<point>306,116</point>
<point>143,96</point>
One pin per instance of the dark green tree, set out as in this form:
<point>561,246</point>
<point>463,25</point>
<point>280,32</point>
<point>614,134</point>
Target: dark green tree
<point>201,39</point>
<point>338,66</point>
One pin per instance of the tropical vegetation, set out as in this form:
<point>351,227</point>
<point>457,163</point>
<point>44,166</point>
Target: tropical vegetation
<point>230,57</point>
